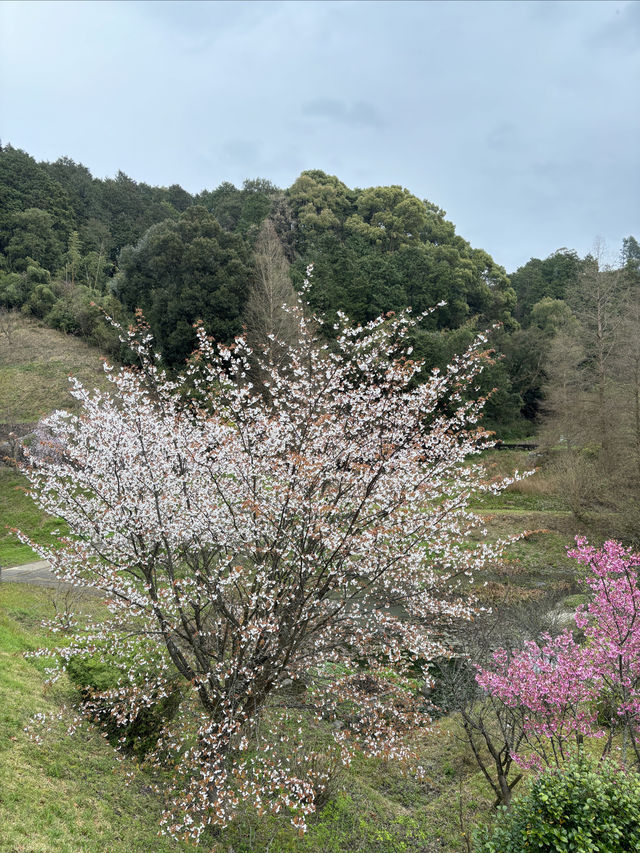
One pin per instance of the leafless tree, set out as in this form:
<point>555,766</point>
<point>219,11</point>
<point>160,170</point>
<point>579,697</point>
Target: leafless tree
<point>628,371</point>
<point>269,324</point>
<point>565,392</point>
<point>492,730</point>
<point>598,301</point>
<point>593,400</point>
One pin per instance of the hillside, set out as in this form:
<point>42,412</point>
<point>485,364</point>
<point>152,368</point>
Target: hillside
<point>35,365</point>
<point>233,257</point>
<point>374,805</point>
<point>72,244</point>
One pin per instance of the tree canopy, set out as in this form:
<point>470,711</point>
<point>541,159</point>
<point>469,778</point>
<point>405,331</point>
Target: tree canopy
<point>182,271</point>
<point>182,257</point>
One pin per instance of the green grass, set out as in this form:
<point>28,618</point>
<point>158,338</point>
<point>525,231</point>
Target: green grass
<point>537,565</point>
<point>35,363</point>
<point>380,808</point>
<point>67,794</point>
<point>17,510</point>
<point>522,502</point>
<point>26,389</point>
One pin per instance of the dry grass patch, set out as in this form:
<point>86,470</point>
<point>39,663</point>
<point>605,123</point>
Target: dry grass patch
<point>35,365</point>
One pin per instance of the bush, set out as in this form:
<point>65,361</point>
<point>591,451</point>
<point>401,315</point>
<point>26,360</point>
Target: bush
<point>40,302</point>
<point>583,808</point>
<point>13,289</point>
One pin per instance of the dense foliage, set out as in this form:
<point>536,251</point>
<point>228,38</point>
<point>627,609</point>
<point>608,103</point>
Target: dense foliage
<point>71,242</point>
<point>581,808</point>
<point>182,271</point>
<point>74,247</point>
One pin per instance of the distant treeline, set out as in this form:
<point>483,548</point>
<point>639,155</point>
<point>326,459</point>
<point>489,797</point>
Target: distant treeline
<point>73,247</point>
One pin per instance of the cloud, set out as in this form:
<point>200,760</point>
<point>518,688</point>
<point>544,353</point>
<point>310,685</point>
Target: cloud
<point>518,118</point>
<point>621,31</point>
<point>357,114</point>
<point>502,136</point>
<point>241,151</point>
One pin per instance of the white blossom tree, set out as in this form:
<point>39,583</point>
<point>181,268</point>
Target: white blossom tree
<point>286,558</point>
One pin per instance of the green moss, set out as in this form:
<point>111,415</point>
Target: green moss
<point>571,602</point>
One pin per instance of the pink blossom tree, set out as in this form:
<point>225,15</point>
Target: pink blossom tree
<point>557,687</point>
<point>611,625</point>
<point>551,686</point>
<point>285,553</point>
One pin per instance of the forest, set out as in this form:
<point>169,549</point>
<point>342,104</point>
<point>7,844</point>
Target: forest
<point>303,378</point>
<point>565,329</point>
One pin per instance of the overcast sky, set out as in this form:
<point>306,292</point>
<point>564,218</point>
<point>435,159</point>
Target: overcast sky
<point>520,119</point>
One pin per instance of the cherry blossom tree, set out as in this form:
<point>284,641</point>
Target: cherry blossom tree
<point>561,688</point>
<point>611,624</point>
<point>283,557</point>
<point>551,687</point>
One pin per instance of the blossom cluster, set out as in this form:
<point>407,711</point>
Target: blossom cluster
<point>558,685</point>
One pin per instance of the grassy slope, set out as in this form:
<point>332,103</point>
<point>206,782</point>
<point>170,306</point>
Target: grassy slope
<point>375,807</point>
<point>35,363</point>
<point>17,510</point>
<point>68,794</point>
<point>537,564</point>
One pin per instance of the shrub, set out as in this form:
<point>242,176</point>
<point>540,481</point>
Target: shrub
<point>40,302</point>
<point>582,808</point>
<point>95,677</point>
<point>565,690</point>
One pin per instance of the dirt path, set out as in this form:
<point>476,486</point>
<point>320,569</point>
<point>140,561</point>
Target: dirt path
<point>38,573</point>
